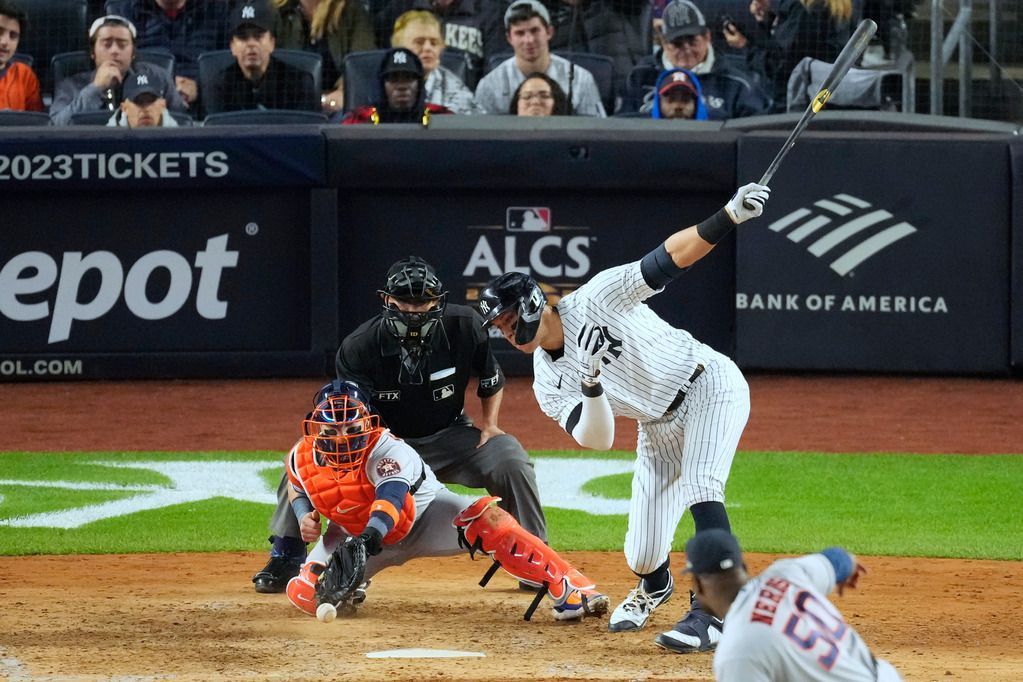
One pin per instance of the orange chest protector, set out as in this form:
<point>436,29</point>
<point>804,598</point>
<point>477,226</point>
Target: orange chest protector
<point>347,501</point>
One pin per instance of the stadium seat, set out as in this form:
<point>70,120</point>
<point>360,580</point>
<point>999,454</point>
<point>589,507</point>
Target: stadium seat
<point>256,117</point>
<point>100,118</point>
<point>55,26</point>
<point>362,85</point>
<point>211,64</point>
<point>67,64</point>
<point>867,89</point>
<point>23,118</point>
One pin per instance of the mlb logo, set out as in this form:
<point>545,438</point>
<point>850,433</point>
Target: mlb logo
<point>444,392</point>
<point>528,219</point>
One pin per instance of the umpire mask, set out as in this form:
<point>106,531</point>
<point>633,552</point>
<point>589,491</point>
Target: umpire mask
<point>412,282</point>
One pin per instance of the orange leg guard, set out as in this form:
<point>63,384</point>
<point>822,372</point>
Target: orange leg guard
<point>302,588</point>
<point>485,527</point>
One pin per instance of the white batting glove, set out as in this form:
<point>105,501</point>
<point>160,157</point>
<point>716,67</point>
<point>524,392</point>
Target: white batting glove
<point>591,348</point>
<point>748,202</point>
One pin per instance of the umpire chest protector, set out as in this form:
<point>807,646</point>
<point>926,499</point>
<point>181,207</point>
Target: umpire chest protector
<point>347,501</point>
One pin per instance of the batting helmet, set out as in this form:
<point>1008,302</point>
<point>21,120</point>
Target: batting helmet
<point>514,291</point>
<point>341,429</point>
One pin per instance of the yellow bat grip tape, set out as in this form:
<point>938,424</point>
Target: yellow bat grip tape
<point>820,100</point>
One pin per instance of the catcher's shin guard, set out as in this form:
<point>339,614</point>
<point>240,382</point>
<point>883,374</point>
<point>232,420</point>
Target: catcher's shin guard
<point>485,527</point>
<point>302,588</point>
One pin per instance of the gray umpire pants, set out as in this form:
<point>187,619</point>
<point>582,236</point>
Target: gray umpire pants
<point>501,466</point>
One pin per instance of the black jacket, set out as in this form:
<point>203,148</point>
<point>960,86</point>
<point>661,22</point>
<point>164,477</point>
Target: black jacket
<point>281,87</point>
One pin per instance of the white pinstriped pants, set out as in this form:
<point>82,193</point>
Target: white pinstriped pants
<point>684,458</point>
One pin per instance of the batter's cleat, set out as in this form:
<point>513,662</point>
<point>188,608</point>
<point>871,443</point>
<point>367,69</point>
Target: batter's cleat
<point>275,575</point>
<point>580,604</point>
<point>633,613</point>
<point>697,631</point>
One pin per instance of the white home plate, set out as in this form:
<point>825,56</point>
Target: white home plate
<point>425,653</point>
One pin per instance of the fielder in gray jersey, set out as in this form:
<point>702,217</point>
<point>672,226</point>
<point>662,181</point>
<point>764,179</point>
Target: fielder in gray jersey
<point>781,625</point>
<point>600,353</point>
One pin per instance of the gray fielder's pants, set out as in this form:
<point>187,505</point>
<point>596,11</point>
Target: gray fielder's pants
<point>501,466</point>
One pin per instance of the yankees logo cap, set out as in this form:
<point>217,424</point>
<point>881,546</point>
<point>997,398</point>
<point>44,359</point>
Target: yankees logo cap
<point>138,84</point>
<point>712,551</point>
<point>400,60</point>
<point>682,18</point>
<point>252,13</point>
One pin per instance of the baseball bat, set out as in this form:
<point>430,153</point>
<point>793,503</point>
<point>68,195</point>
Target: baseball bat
<point>846,58</point>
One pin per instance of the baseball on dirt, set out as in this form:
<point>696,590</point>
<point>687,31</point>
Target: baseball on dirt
<point>326,613</point>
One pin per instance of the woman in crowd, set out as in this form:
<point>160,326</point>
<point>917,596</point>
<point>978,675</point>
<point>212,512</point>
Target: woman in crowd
<point>539,95</point>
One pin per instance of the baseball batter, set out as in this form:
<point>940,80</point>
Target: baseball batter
<point>781,625</point>
<point>349,469</point>
<point>600,353</point>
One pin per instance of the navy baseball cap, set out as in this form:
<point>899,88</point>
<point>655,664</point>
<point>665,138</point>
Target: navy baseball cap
<point>252,13</point>
<point>138,84</point>
<point>712,551</point>
<point>400,60</point>
<point>682,18</point>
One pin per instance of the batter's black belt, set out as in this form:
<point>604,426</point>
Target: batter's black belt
<point>681,395</point>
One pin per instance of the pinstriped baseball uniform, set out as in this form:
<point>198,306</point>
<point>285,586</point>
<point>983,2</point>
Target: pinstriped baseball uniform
<point>683,455</point>
<point>781,626</point>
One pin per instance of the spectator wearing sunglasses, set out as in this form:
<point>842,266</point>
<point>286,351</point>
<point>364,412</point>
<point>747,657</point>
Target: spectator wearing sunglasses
<point>728,90</point>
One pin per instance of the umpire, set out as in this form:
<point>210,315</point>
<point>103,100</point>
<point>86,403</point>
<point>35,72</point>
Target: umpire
<point>415,359</point>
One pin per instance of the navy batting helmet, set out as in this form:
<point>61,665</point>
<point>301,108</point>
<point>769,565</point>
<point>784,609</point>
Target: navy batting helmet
<point>514,291</point>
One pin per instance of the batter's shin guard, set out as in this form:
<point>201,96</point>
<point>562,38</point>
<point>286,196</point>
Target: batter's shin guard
<point>485,527</point>
<point>302,588</point>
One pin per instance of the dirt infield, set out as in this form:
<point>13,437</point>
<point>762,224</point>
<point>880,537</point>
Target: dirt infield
<point>196,617</point>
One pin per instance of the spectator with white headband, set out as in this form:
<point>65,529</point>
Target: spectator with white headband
<point>112,48</point>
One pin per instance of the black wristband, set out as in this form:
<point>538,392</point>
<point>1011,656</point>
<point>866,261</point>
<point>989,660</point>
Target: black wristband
<point>592,390</point>
<point>714,228</point>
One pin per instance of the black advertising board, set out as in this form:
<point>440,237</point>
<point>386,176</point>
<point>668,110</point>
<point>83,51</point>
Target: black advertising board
<point>157,283</point>
<point>877,253</point>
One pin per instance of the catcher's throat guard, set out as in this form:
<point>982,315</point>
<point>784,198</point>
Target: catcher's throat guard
<point>483,527</point>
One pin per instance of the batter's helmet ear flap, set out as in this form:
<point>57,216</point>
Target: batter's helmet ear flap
<point>514,291</point>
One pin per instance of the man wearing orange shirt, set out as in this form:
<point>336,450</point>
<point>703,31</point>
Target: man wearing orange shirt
<point>19,87</point>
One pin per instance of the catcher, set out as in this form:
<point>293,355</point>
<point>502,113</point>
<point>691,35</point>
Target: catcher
<point>384,506</point>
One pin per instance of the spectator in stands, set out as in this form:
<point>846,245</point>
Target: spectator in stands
<point>728,90</point>
<point>679,96</point>
<point>472,26</point>
<point>619,29</point>
<point>185,28</point>
<point>143,105</point>
<point>788,30</point>
<point>257,80</point>
<point>112,47</point>
<point>539,95</point>
<point>528,30</point>
<point>330,28</point>
<point>401,80</point>
<point>419,31</point>
<point>19,87</point>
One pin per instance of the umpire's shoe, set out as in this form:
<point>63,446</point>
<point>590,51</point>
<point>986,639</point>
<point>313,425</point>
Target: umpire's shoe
<point>275,575</point>
<point>633,613</point>
<point>697,631</point>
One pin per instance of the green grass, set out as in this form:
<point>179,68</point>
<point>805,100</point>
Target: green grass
<point>790,502</point>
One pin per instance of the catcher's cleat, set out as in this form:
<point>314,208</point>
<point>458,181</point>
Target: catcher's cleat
<point>582,603</point>
<point>275,575</point>
<point>634,611</point>
<point>359,595</point>
<point>697,631</point>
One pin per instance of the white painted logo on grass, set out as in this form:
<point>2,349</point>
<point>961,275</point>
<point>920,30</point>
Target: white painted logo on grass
<point>192,481</point>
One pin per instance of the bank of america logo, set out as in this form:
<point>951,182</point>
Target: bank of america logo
<point>843,227</point>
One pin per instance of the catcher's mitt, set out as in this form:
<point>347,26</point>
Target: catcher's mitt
<point>346,568</point>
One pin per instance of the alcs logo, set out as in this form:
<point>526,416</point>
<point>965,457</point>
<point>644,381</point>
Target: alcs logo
<point>35,272</point>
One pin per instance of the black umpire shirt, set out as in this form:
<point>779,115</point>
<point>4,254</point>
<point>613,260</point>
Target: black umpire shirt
<point>371,358</point>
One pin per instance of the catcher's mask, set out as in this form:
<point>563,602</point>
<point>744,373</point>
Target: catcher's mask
<point>413,283</point>
<point>341,431</point>
<point>514,291</point>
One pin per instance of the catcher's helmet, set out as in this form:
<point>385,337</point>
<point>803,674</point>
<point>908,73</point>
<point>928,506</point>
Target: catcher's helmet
<point>514,291</point>
<point>412,280</point>
<point>342,428</point>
